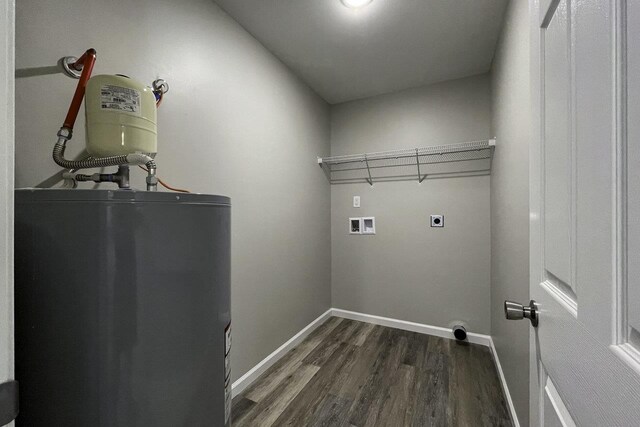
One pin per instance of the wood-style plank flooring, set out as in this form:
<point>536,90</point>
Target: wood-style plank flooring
<point>349,373</point>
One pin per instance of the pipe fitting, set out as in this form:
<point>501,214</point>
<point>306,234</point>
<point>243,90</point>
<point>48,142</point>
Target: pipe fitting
<point>65,133</point>
<point>459,332</point>
<point>160,85</point>
<point>121,177</point>
<point>68,66</point>
<point>152,179</point>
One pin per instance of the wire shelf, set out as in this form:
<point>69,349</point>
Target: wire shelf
<point>436,161</point>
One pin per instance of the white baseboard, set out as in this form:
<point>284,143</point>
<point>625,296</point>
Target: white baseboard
<point>505,387</point>
<point>245,381</point>
<point>421,328</point>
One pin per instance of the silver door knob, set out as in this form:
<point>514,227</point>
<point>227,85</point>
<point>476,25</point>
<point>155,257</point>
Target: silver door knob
<point>515,311</point>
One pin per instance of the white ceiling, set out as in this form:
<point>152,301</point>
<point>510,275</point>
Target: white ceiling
<point>389,45</point>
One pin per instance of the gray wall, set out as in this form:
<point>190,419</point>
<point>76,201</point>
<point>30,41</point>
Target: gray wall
<point>235,122</point>
<point>510,201</point>
<point>408,270</point>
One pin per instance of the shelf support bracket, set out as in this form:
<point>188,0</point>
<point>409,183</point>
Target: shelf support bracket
<point>326,169</point>
<point>418,164</point>
<point>370,181</point>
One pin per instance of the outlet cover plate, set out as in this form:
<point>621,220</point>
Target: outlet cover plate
<point>437,221</point>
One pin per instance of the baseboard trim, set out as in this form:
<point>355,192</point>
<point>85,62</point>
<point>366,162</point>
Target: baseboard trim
<point>505,387</point>
<point>245,381</point>
<point>421,328</point>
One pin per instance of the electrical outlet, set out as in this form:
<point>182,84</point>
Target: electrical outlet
<point>356,201</point>
<point>437,220</point>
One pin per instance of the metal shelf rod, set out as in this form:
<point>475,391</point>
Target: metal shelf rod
<point>430,155</point>
<point>368,170</point>
<point>373,167</point>
<point>439,175</point>
<point>418,164</point>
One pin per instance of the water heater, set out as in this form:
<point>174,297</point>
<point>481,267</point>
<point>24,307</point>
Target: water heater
<point>122,302</point>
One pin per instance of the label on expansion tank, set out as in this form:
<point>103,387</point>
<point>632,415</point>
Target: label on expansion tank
<point>121,99</point>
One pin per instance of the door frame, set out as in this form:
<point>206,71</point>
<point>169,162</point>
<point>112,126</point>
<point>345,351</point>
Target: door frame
<point>7,143</point>
<point>534,197</point>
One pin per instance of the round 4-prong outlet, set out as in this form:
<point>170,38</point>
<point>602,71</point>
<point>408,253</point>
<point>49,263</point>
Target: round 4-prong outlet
<point>437,220</point>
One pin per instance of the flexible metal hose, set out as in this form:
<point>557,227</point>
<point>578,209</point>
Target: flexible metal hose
<point>58,157</point>
<point>129,159</point>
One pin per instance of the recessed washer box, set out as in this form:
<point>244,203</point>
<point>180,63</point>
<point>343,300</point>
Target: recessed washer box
<point>355,225</point>
<point>437,221</point>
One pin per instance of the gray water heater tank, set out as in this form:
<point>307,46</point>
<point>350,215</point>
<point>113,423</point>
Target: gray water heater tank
<point>122,302</point>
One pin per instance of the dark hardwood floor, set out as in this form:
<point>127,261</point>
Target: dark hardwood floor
<point>349,373</point>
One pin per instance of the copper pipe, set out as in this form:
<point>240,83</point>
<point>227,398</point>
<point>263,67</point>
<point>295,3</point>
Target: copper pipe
<point>86,63</point>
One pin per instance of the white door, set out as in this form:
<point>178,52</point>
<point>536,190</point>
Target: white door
<point>6,208</point>
<point>585,212</point>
